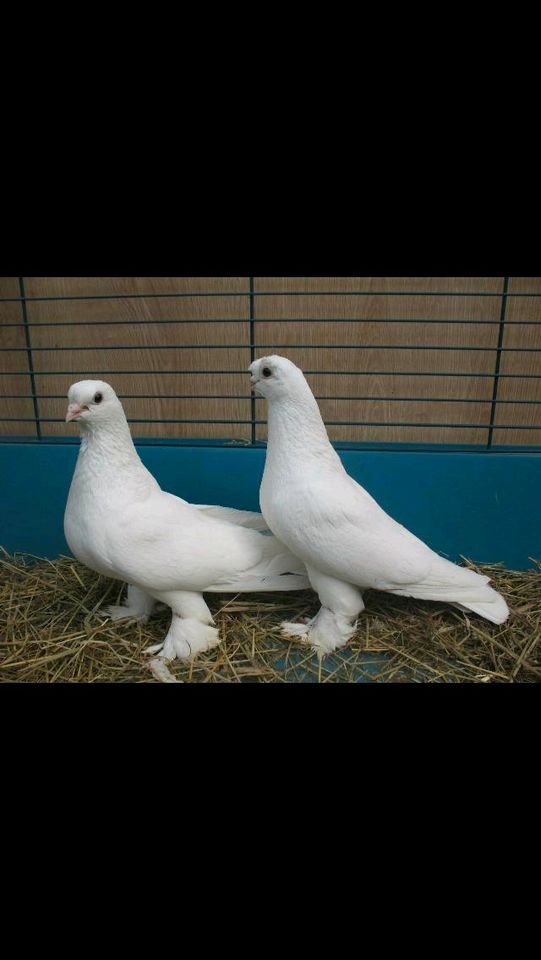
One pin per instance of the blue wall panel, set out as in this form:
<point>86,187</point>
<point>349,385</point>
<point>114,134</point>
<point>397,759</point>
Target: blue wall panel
<point>478,505</point>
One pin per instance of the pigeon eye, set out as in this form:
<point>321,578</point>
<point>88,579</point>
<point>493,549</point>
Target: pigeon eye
<point>98,397</point>
<point>266,372</point>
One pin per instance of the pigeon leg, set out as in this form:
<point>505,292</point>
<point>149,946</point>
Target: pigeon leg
<point>137,606</point>
<point>192,629</point>
<point>335,622</point>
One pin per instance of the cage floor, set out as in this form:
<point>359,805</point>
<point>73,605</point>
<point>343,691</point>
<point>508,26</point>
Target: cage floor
<point>51,630</point>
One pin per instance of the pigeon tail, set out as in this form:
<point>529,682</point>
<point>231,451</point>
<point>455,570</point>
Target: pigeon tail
<point>461,587</point>
<point>493,607</point>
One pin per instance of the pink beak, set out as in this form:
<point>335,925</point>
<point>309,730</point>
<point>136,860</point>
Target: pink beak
<point>74,411</point>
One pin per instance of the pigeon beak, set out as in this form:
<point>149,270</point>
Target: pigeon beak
<point>74,411</point>
<point>253,383</point>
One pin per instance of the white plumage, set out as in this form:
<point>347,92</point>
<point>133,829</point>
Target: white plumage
<point>120,523</point>
<point>348,543</point>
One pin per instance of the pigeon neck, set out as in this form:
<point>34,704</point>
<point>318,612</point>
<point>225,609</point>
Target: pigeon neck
<point>111,441</point>
<point>296,429</point>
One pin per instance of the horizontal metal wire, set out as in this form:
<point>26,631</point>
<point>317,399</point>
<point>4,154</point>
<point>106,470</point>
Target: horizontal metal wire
<point>236,373</point>
<point>502,296</point>
<point>150,323</point>
<point>272,293</point>
<point>271,346</point>
<point>334,423</point>
<point>244,396</point>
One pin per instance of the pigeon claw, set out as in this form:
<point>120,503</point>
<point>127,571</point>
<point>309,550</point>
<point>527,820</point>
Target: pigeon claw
<point>161,672</point>
<point>295,629</point>
<point>123,612</point>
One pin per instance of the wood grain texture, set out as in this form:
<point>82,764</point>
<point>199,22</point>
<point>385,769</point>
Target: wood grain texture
<point>99,286</point>
<point>524,285</point>
<point>14,363</point>
<point>360,352</point>
<point>404,284</point>
<point>521,336</point>
<point>153,351</point>
<point>362,324</point>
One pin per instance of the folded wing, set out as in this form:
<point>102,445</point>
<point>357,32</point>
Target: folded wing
<point>168,544</point>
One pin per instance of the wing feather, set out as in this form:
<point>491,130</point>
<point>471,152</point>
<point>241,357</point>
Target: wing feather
<point>335,525</point>
<point>168,544</point>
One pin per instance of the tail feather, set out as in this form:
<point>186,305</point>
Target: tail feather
<point>460,587</point>
<point>261,584</point>
<point>494,608</point>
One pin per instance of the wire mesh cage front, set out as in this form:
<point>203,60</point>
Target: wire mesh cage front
<point>448,361</point>
<point>410,364</point>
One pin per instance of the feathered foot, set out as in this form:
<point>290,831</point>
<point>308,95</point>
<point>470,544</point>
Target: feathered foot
<point>154,648</point>
<point>161,671</point>
<point>294,629</point>
<point>185,639</point>
<point>326,632</point>
<point>125,612</point>
<point>298,628</point>
<point>137,606</point>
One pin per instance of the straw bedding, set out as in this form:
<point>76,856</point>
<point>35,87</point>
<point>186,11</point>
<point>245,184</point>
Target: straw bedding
<point>51,631</point>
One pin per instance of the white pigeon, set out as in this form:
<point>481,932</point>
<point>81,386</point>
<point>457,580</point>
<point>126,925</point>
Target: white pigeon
<point>120,523</point>
<point>348,543</point>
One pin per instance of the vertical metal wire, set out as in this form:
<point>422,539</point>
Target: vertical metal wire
<point>489,426</point>
<point>501,332</point>
<point>30,358</point>
<point>252,354</point>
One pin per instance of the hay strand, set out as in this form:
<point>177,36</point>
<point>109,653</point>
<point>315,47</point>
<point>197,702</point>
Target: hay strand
<point>52,631</point>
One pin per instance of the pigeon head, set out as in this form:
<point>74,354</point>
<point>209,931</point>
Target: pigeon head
<point>93,402</point>
<point>274,377</point>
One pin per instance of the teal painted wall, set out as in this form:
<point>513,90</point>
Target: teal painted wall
<point>482,506</point>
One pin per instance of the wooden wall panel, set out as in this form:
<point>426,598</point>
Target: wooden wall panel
<point>363,324</point>
<point>99,286</point>
<point>525,364</point>
<point>524,285</point>
<point>399,284</point>
<point>358,352</point>
<point>14,371</point>
<point>142,343</point>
